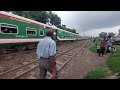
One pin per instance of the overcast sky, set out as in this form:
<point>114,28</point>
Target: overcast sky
<point>91,22</point>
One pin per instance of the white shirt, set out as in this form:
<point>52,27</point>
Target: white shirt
<point>46,48</point>
<point>109,42</point>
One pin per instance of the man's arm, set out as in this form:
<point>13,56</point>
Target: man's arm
<point>52,60</point>
<point>52,51</point>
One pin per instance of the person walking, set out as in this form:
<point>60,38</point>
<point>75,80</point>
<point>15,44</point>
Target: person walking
<point>102,47</point>
<point>46,51</point>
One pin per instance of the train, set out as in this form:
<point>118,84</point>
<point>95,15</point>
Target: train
<point>22,33</point>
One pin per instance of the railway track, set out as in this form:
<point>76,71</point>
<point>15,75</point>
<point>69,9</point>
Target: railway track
<point>27,67</point>
<point>62,62</point>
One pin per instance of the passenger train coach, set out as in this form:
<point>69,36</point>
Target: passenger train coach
<point>19,31</point>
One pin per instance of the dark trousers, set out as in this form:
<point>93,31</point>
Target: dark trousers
<point>45,65</point>
<point>102,50</point>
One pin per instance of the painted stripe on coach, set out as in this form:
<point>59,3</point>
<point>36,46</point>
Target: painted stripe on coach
<point>3,41</point>
<point>21,38</point>
<point>65,39</point>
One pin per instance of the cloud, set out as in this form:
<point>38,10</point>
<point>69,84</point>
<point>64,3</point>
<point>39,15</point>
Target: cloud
<point>84,21</point>
<point>95,32</point>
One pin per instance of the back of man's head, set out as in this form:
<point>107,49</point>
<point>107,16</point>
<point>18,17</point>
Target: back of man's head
<point>109,36</point>
<point>49,33</point>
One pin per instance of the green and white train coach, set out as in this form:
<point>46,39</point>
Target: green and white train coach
<point>16,31</point>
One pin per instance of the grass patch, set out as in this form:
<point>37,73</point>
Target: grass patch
<point>98,73</point>
<point>114,64</point>
<point>93,47</point>
<point>113,61</point>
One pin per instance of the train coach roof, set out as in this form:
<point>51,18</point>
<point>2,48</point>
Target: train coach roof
<point>29,20</point>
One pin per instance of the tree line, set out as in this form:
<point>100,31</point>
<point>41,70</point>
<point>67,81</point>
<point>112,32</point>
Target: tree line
<point>46,17</point>
<point>104,34</point>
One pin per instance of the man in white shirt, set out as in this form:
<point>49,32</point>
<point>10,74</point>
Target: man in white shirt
<point>46,51</point>
<point>109,44</point>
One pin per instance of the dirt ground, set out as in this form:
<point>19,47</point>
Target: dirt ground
<point>81,64</point>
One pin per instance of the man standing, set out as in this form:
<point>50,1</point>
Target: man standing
<point>46,51</point>
<point>109,44</point>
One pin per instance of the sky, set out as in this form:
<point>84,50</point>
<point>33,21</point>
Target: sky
<point>91,23</point>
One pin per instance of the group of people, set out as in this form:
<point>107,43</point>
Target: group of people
<point>107,41</point>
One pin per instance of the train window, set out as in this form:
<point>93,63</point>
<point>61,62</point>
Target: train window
<point>41,33</point>
<point>31,31</point>
<point>9,29</point>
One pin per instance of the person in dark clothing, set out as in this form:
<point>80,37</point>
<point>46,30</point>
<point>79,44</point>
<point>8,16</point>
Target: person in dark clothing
<point>102,47</point>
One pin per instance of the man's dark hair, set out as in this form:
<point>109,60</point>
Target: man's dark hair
<point>49,33</point>
<point>109,36</point>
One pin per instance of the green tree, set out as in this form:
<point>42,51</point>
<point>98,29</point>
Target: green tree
<point>54,19</point>
<point>102,34</point>
<point>111,34</point>
<point>23,14</point>
<point>40,16</point>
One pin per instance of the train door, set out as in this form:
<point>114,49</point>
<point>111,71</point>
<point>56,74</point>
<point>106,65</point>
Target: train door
<point>56,31</point>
